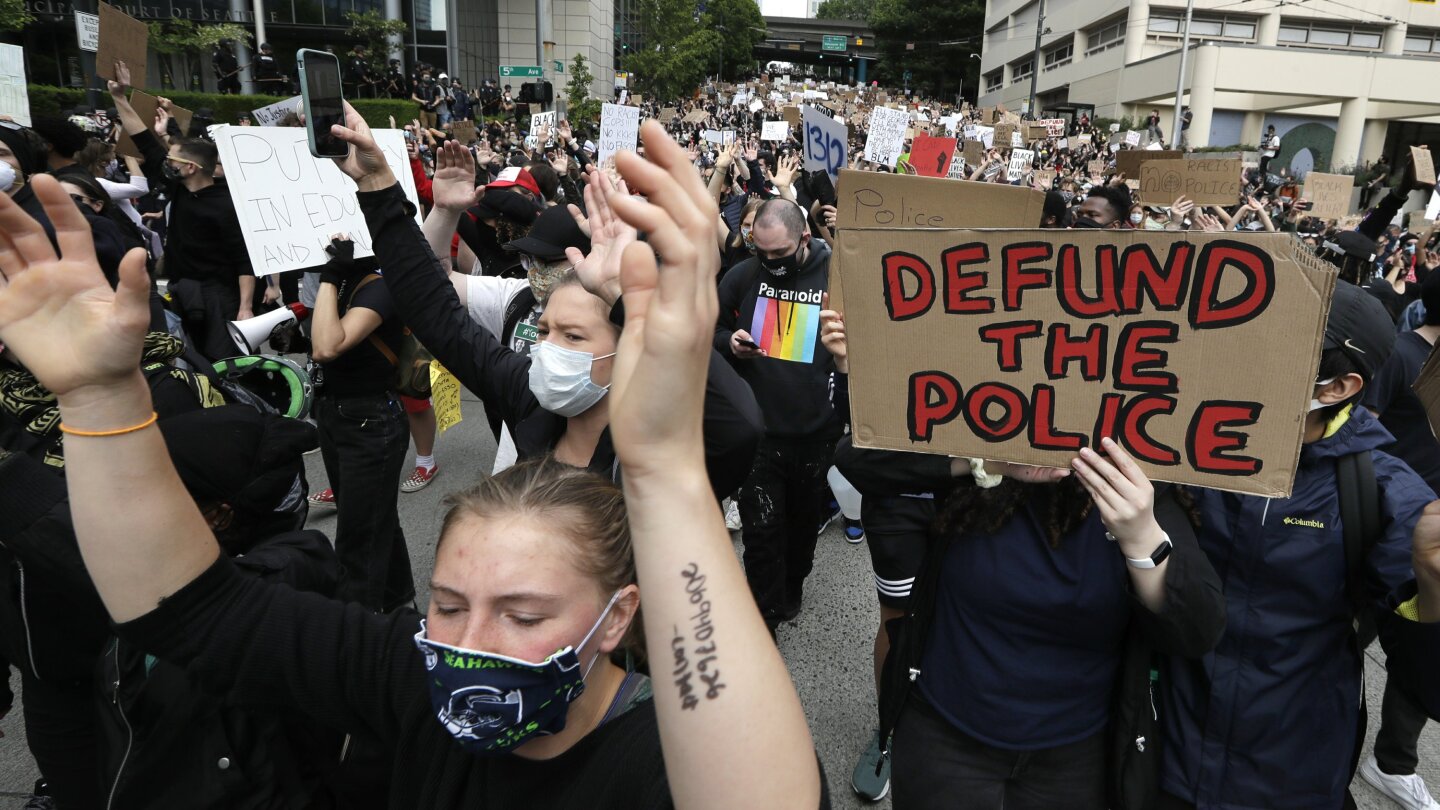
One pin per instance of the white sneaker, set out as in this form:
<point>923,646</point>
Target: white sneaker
<point>732,515</point>
<point>1407,791</point>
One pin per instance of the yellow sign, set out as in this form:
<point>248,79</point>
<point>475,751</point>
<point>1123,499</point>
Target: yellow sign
<point>445,397</point>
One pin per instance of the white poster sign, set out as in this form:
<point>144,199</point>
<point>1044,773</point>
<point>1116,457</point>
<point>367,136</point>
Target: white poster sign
<point>544,119</point>
<point>756,105</point>
<point>1020,162</point>
<point>14,98</point>
<point>985,135</point>
<point>619,130</point>
<point>1132,138</point>
<point>290,203</point>
<point>712,136</point>
<point>775,131</point>
<point>887,135</point>
<point>270,114</point>
<point>826,142</point>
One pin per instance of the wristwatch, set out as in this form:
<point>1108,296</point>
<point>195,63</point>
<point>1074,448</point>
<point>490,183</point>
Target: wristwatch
<point>1156,557</point>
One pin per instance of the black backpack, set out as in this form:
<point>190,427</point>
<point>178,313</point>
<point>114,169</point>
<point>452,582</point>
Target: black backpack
<point>1360,522</point>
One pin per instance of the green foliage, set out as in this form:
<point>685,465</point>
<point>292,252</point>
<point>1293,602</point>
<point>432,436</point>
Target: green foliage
<point>193,44</point>
<point>48,99</point>
<point>14,16</point>
<point>741,29</point>
<point>845,10</point>
<point>677,53</point>
<point>374,32</point>
<point>935,70</point>
<point>581,110</point>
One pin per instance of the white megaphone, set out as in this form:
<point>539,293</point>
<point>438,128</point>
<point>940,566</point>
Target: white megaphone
<point>249,335</point>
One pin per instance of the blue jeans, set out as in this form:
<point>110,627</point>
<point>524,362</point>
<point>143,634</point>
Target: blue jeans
<point>363,440</point>
<point>443,114</point>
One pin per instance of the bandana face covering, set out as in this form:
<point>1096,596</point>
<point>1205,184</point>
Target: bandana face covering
<point>491,703</point>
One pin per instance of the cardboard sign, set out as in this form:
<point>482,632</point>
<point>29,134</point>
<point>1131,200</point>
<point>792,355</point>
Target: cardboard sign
<point>1095,167</point>
<point>1128,161</point>
<point>775,131</point>
<point>695,117</point>
<point>14,96</point>
<point>1025,346</point>
<point>271,114</point>
<point>122,38</point>
<point>1329,193</point>
<point>826,143</point>
<point>619,130</point>
<point>145,106</point>
<point>1204,182</point>
<point>445,396</point>
<point>1427,390</point>
<point>463,131</point>
<point>887,136</point>
<point>1424,165</point>
<point>1020,162</point>
<point>1055,126</point>
<point>974,152</point>
<point>668,114</point>
<point>1083,137</point>
<point>1045,178</point>
<point>931,157</point>
<point>1005,134</point>
<point>1035,132</point>
<point>791,113</point>
<point>289,202</point>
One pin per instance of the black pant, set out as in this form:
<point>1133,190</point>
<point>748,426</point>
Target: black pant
<point>780,507</point>
<point>936,767</point>
<point>1367,192</point>
<point>64,738</point>
<point>229,85</point>
<point>207,308</point>
<point>363,441</point>
<point>1401,722</point>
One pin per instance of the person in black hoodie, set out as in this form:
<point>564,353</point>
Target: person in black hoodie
<point>769,326</point>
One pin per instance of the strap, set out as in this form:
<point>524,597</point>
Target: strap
<point>375,341</point>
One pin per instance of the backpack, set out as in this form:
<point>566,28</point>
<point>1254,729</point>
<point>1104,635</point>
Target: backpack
<point>410,360</point>
<point>1360,520</point>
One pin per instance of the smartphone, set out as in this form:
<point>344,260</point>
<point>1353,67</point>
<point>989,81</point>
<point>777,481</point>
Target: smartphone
<point>822,189</point>
<point>749,344</point>
<point>321,96</point>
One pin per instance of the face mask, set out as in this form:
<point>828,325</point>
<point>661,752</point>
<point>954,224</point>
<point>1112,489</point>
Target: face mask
<point>542,276</point>
<point>782,266</point>
<point>748,238</point>
<point>491,703</point>
<point>7,176</point>
<point>1316,404</point>
<point>560,379</point>
<point>170,172</point>
<point>1136,219</point>
<point>112,167</point>
<point>1085,222</point>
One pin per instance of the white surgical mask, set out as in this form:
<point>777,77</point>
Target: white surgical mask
<point>560,379</point>
<point>7,176</point>
<point>1136,219</point>
<point>1316,404</point>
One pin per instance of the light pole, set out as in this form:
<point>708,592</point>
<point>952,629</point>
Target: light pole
<point>720,77</point>
<point>1177,131</point>
<point>1035,60</point>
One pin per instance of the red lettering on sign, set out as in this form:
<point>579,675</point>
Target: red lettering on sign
<point>1132,358</point>
<point>1166,288</point>
<point>959,285</point>
<point>934,400</point>
<point>1208,445</point>
<point>1006,337</point>
<point>1043,435</point>
<point>897,266</point>
<point>1136,439</point>
<point>1062,349</point>
<point>1008,424</point>
<point>1207,311</point>
<point>1017,278</point>
<point>1072,298</point>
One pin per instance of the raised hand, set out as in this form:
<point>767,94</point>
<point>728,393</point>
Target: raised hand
<point>162,122</point>
<point>1182,207</point>
<point>1124,496</point>
<point>832,334</point>
<point>121,83</point>
<point>658,383</point>
<point>561,163</point>
<point>787,168</point>
<point>453,185</point>
<point>364,164</point>
<point>599,271</point>
<point>57,313</point>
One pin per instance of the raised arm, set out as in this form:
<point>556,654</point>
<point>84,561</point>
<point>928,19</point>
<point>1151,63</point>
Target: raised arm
<point>731,725</point>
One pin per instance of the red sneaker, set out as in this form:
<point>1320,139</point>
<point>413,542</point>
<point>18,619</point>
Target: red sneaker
<point>324,499</point>
<point>419,479</point>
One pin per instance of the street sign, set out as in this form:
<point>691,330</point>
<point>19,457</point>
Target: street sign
<point>87,31</point>
<point>557,65</point>
<point>833,42</point>
<point>521,72</point>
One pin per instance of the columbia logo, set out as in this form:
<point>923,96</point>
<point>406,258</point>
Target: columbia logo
<point>1314,524</point>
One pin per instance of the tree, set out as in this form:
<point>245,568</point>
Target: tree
<point>858,10</point>
<point>14,16</point>
<point>936,70</point>
<point>580,109</point>
<point>193,44</point>
<point>677,53</point>
<point>741,29</point>
<point>371,29</point>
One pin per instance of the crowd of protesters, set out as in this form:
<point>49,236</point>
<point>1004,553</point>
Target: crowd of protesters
<point>1073,637</point>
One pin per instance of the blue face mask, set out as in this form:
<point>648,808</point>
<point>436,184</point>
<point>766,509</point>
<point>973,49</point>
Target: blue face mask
<point>491,703</point>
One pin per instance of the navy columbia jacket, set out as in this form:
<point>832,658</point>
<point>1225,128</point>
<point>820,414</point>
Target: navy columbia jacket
<point>1268,719</point>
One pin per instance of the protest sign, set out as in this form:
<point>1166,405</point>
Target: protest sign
<point>544,119</point>
<point>711,136</point>
<point>1114,128</point>
<point>1427,390</point>
<point>974,152</point>
<point>791,113</point>
<point>1025,346</point>
<point>463,131</point>
<point>445,397</point>
<point>1063,143</point>
<point>986,136</point>
<point>695,116</point>
<point>957,167</point>
<point>1016,140</point>
<point>931,157</point>
<point>727,136</point>
<point>1020,161</point>
<point>1424,165</point>
<point>1034,132</point>
<point>145,105</point>
<point>1329,194</point>
<point>14,97</point>
<point>87,31</point>
<point>1095,167</point>
<point>667,114</point>
<point>289,202</point>
<point>756,104</point>
<point>1083,137</point>
<point>271,114</point>
<point>775,131</point>
<point>1054,126</point>
<point>1045,178</point>
<point>887,136</point>
<point>987,115</point>
<point>1005,133</point>
<point>619,130</point>
<point>1204,182</point>
<point>1432,208</point>
<point>826,144</point>
<point>1132,138</point>
<point>122,38</point>
<point>1128,161</point>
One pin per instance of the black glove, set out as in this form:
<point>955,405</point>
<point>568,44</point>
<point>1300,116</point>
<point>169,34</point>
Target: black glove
<point>342,262</point>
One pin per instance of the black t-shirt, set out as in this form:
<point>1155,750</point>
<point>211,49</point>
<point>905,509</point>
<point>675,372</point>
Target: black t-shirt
<point>363,369</point>
<point>1395,302</point>
<point>1390,396</point>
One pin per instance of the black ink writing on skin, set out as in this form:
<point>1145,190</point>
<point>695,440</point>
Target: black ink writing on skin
<point>705,652</point>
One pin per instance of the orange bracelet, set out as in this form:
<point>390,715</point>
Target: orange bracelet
<point>104,433</point>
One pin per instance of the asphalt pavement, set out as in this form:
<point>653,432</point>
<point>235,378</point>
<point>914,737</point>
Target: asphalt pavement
<point>828,648</point>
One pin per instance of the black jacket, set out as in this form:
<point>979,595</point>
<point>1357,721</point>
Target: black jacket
<point>1189,624</point>
<point>500,377</point>
<point>204,241</point>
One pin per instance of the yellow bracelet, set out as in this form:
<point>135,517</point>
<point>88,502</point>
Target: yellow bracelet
<point>100,434</point>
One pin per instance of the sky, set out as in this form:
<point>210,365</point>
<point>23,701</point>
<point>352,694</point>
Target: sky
<point>783,8</point>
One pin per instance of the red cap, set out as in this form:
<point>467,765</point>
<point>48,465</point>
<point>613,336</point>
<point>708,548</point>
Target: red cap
<point>513,176</point>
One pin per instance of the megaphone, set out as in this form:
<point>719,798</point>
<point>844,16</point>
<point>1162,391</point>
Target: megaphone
<point>249,335</point>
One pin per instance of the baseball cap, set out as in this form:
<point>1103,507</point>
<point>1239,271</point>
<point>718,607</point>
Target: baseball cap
<point>516,176</point>
<point>498,202</point>
<point>553,231</point>
<point>1360,327</point>
<point>590,147</point>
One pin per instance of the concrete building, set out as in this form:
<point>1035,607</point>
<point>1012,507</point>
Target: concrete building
<point>1342,81</point>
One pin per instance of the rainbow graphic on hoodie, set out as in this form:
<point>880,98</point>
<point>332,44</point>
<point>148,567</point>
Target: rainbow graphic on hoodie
<point>786,330</point>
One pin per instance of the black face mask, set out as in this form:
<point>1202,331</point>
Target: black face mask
<point>1085,222</point>
<point>782,266</point>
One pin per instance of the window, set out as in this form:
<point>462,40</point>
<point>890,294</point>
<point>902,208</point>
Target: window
<point>1108,37</point>
<point>1059,56</point>
<point>1329,35</point>
<point>994,80</point>
<point>1022,70</point>
<point>1422,40</point>
<point>1239,28</point>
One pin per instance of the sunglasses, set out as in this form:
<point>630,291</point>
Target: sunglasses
<point>83,200</point>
